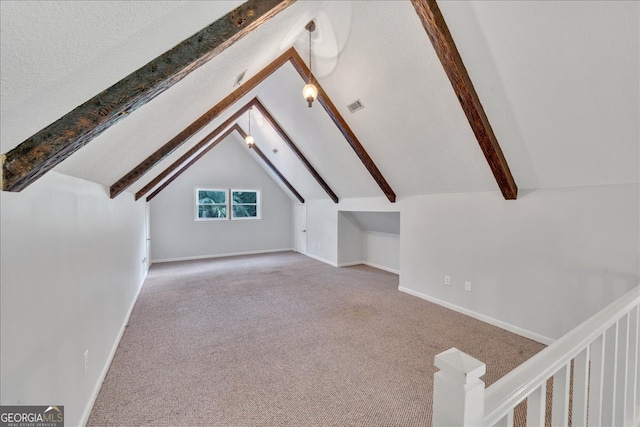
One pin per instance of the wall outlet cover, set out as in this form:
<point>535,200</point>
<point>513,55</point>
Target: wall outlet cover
<point>447,280</point>
<point>467,286</point>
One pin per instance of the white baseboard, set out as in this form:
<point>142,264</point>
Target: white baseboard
<point>191,258</point>
<point>349,264</point>
<point>370,264</point>
<point>105,369</point>
<point>317,258</point>
<point>490,320</point>
<point>382,267</point>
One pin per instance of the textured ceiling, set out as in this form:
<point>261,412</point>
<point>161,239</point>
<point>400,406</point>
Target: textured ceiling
<point>559,82</point>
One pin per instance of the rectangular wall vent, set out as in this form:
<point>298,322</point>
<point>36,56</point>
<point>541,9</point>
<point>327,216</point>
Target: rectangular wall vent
<point>355,106</point>
<point>239,78</point>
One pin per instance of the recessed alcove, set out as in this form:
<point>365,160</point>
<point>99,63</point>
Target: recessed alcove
<point>371,238</point>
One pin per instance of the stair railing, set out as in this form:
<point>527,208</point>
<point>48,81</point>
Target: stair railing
<point>595,372</point>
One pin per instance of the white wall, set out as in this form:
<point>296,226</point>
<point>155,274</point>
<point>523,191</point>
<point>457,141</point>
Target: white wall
<point>350,240</point>
<point>381,250</point>
<point>322,230</point>
<point>71,268</point>
<point>543,263</point>
<point>176,235</point>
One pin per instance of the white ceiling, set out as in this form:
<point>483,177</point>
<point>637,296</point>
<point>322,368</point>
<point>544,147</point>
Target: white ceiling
<point>381,222</point>
<point>559,82</point>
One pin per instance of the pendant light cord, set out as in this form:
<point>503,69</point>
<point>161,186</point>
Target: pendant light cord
<point>310,56</point>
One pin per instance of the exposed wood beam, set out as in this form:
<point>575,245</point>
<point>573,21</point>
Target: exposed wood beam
<point>271,166</point>
<point>438,32</point>
<point>155,158</point>
<point>298,63</point>
<point>192,161</point>
<point>203,142</point>
<point>285,137</point>
<point>300,66</point>
<point>53,144</point>
<point>215,142</point>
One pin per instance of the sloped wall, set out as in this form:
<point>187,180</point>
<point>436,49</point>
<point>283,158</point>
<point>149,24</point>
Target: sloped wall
<point>71,269</point>
<point>540,265</point>
<point>371,238</point>
<point>175,235</point>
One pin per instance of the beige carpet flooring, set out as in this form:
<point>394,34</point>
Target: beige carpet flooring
<point>284,340</point>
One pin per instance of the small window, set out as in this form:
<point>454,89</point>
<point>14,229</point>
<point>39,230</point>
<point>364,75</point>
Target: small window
<point>245,204</point>
<point>211,204</point>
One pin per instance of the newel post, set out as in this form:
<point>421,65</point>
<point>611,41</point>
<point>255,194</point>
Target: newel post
<point>458,392</point>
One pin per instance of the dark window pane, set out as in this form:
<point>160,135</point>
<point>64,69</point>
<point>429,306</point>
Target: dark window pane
<point>245,211</point>
<point>205,196</point>
<point>212,211</point>
<point>245,197</point>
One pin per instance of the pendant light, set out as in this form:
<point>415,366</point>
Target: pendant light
<point>249,139</point>
<point>310,91</point>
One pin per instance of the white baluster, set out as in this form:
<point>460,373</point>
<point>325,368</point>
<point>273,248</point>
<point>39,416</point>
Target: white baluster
<point>458,392</point>
<point>580,388</point>
<point>560,405</point>
<point>599,360</point>
<point>536,406</point>
<point>596,379</point>
<point>633,395</point>
<point>621,369</point>
<point>610,376</point>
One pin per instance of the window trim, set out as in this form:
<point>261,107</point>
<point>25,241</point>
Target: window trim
<point>258,204</point>
<point>197,204</point>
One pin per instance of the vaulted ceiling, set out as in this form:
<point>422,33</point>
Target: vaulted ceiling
<point>559,82</point>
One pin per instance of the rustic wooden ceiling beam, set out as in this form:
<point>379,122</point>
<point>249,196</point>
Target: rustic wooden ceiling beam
<point>290,55</point>
<point>162,152</point>
<point>302,69</point>
<point>287,139</point>
<point>438,32</point>
<point>192,161</point>
<point>203,142</point>
<point>41,152</point>
<point>271,166</point>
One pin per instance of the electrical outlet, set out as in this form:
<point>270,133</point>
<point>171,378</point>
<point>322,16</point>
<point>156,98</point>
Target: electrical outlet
<point>467,286</point>
<point>447,280</point>
<point>86,360</point>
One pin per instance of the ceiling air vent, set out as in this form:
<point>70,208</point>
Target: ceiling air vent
<point>239,78</point>
<point>355,106</point>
